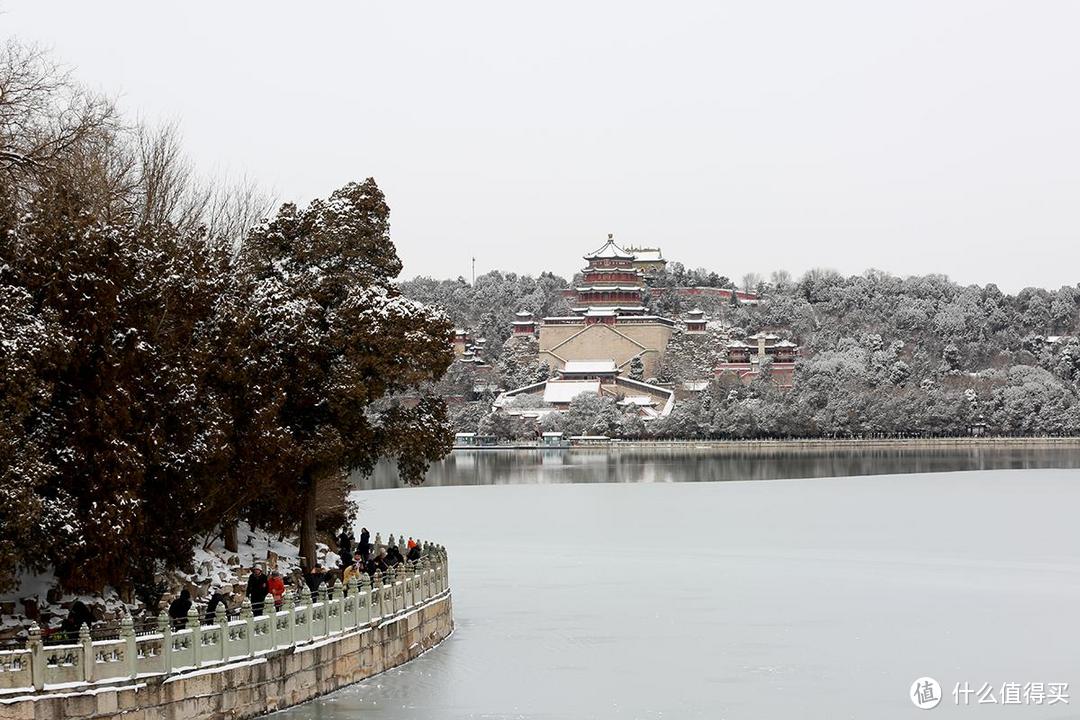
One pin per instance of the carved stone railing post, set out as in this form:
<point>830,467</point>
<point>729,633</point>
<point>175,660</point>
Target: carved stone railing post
<point>290,618</point>
<point>271,628</point>
<point>437,556</point>
<point>363,612</point>
<point>309,615</point>
<point>165,628</point>
<point>196,635</point>
<point>394,575</point>
<point>444,558</point>
<point>338,604</point>
<point>87,653</point>
<point>379,607</point>
<point>131,657</point>
<point>324,600</point>
<point>37,656</point>
<point>249,626</point>
<point>422,570</point>
<point>354,594</point>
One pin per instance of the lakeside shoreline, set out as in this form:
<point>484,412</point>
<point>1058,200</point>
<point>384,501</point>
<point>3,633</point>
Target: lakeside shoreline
<point>801,444</point>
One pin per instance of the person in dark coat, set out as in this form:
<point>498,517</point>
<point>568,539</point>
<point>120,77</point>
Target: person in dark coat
<point>178,610</point>
<point>314,579</point>
<point>364,546</point>
<point>218,598</point>
<point>414,553</point>
<point>393,556</point>
<point>78,616</point>
<point>257,589</point>
<point>345,547</point>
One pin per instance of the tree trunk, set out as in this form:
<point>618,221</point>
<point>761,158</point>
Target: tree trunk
<point>308,519</point>
<point>232,543</point>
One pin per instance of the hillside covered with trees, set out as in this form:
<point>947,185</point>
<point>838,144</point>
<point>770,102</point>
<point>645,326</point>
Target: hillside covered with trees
<point>880,354</point>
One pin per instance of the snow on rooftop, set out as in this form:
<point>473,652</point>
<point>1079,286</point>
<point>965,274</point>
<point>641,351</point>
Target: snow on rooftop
<point>563,391</point>
<point>589,366</point>
<point>610,250</point>
<point>640,400</point>
<point>648,255</point>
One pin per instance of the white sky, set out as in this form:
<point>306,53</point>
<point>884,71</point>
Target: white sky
<point>911,136</point>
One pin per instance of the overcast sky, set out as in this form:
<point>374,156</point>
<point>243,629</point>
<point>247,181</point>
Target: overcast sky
<point>913,137</point>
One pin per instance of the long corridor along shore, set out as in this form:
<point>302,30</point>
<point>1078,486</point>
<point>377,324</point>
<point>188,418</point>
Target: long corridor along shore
<point>785,444</point>
<point>241,668</point>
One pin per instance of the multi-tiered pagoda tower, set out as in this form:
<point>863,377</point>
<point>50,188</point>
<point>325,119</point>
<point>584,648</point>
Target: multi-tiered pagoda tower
<point>611,282</point>
<point>609,321</point>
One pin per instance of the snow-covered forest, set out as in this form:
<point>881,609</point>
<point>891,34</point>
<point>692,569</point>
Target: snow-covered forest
<point>170,363</point>
<point>880,354</point>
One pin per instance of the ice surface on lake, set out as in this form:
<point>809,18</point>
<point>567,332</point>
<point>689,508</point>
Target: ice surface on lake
<point>821,598</point>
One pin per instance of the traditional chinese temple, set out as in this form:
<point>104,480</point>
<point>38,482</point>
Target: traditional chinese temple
<point>744,359</point>
<point>590,378</point>
<point>608,320</point>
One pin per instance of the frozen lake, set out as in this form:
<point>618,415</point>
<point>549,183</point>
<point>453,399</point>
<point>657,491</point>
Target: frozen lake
<point>822,598</point>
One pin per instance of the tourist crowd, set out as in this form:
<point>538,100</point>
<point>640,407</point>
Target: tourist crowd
<point>366,558</point>
<point>356,559</point>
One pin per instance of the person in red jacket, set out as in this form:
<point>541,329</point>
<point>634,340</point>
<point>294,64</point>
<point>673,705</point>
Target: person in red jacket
<point>276,586</point>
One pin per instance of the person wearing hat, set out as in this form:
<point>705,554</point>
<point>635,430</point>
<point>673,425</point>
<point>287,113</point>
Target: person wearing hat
<point>257,589</point>
<point>276,586</point>
<point>354,570</point>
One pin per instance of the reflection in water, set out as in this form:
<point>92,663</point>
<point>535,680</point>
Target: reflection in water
<point>711,464</point>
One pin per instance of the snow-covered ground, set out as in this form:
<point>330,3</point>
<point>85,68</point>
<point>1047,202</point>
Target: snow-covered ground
<point>216,566</point>
<point>213,567</point>
<point>822,598</point>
